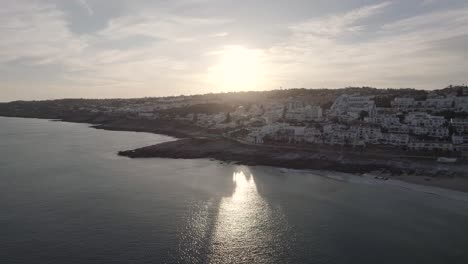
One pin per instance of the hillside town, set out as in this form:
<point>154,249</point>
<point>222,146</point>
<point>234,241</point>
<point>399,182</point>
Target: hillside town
<point>437,121</point>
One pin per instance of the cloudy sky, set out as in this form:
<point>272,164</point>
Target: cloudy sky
<point>120,48</point>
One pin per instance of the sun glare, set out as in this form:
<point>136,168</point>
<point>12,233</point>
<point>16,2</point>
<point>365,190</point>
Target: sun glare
<point>238,69</point>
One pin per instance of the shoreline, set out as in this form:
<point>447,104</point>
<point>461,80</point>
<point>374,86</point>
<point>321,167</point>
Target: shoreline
<point>194,143</point>
<point>421,172</point>
<point>397,182</point>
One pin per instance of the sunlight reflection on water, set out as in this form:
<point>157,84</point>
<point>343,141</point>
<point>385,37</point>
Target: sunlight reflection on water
<point>238,227</point>
<point>247,228</point>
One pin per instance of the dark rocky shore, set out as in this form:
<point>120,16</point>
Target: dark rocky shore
<point>318,159</point>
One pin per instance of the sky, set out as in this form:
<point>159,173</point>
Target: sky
<point>118,48</point>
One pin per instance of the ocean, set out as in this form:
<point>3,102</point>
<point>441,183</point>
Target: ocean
<point>66,197</point>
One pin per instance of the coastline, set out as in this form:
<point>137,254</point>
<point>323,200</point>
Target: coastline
<point>420,172</point>
<point>195,143</point>
<point>460,194</point>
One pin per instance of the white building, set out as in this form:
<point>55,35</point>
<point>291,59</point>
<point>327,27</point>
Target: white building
<point>273,112</point>
<point>384,120</point>
<point>368,134</point>
<point>439,103</point>
<point>424,120</point>
<point>351,107</point>
<point>402,103</point>
<point>308,113</point>
<point>394,139</point>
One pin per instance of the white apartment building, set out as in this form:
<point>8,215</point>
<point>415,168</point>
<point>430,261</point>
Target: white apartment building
<point>424,120</point>
<point>459,104</point>
<point>352,106</point>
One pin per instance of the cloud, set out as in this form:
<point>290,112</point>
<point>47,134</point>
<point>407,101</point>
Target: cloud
<point>39,34</point>
<point>221,34</point>
<point>86,6</point>
<point>332,26</point>
<point>162,26</point>
<point>404,53</point>
<point>36,32</point>
<point>428,2</point>
<point>162,51</point>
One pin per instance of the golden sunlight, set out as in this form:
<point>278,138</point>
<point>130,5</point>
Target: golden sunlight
<point>238,69</point>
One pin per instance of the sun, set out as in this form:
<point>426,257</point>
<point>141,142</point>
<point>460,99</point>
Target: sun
<point>238,69</point>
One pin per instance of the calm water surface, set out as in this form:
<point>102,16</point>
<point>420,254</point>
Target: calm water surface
<point>65,197</point>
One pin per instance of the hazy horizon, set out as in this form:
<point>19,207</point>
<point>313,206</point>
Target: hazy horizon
<point>227,92</point>
<point>54,49</point>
